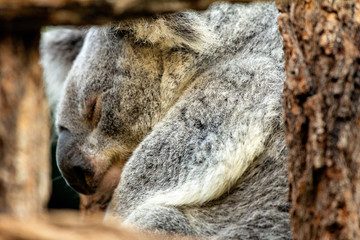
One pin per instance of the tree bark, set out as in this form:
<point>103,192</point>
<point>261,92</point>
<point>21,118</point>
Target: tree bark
<point>24,126</point>
<point>321,107</point>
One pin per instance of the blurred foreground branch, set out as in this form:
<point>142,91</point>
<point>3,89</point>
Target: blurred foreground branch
<point>69,225</point>
<point>27,14</point>
<point>24,126</point>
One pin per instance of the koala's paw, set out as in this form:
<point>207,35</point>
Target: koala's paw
<point>160,219</point>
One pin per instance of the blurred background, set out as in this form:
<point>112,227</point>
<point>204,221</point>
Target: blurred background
<point>62,196</point>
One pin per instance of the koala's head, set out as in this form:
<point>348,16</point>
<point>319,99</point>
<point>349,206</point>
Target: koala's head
<point>111,96</point>
<point>109,103</point>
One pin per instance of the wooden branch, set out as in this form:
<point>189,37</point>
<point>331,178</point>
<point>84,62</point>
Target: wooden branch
<point>25,14</point>
<point>69,225</point>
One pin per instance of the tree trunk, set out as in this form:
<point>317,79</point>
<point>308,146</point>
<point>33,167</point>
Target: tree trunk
<point>24,126</point>
<point>321,107</point>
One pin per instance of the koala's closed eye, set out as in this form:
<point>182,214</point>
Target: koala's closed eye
<point>92,112</point>
<point>62,128</point>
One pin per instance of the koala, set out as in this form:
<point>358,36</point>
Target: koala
<point>177,117</point>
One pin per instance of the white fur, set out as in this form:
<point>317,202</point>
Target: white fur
<point>55,74</point>
<point>233,162</point>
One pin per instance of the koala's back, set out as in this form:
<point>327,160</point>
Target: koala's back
<point>215,164</point>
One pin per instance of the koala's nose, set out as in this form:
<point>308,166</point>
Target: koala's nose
<point>73,165</point>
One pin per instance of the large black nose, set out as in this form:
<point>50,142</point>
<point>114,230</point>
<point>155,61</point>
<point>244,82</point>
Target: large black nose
<point>73,165</point>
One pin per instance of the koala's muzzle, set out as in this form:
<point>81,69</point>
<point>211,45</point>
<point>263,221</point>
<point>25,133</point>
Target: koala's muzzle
<point>73,165</point>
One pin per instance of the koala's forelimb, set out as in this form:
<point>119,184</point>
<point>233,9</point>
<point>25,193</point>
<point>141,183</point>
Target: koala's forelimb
<point>205,185</point>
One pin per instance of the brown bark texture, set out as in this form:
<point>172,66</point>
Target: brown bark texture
<point>24,126</point>
<point>26,14</point>
<point>321,109</point>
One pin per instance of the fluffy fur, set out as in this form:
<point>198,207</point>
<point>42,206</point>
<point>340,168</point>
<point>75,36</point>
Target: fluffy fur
<point>67,42</point>
<point>187,108</point>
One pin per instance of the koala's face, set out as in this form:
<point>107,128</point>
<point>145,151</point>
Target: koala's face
<point>106,110</point>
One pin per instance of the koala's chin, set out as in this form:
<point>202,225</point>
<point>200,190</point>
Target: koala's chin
<point>109,180</point>
<point>104,191</point>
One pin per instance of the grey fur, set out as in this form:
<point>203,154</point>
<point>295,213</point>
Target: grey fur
<point>191,103</point>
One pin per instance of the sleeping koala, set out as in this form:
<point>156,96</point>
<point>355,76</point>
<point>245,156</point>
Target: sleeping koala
<point>179,117</point>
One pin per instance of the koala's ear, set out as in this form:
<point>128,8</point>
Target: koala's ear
<point>58,50</point>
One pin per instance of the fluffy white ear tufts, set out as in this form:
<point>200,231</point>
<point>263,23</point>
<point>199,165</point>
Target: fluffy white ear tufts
<point>58,49</point>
